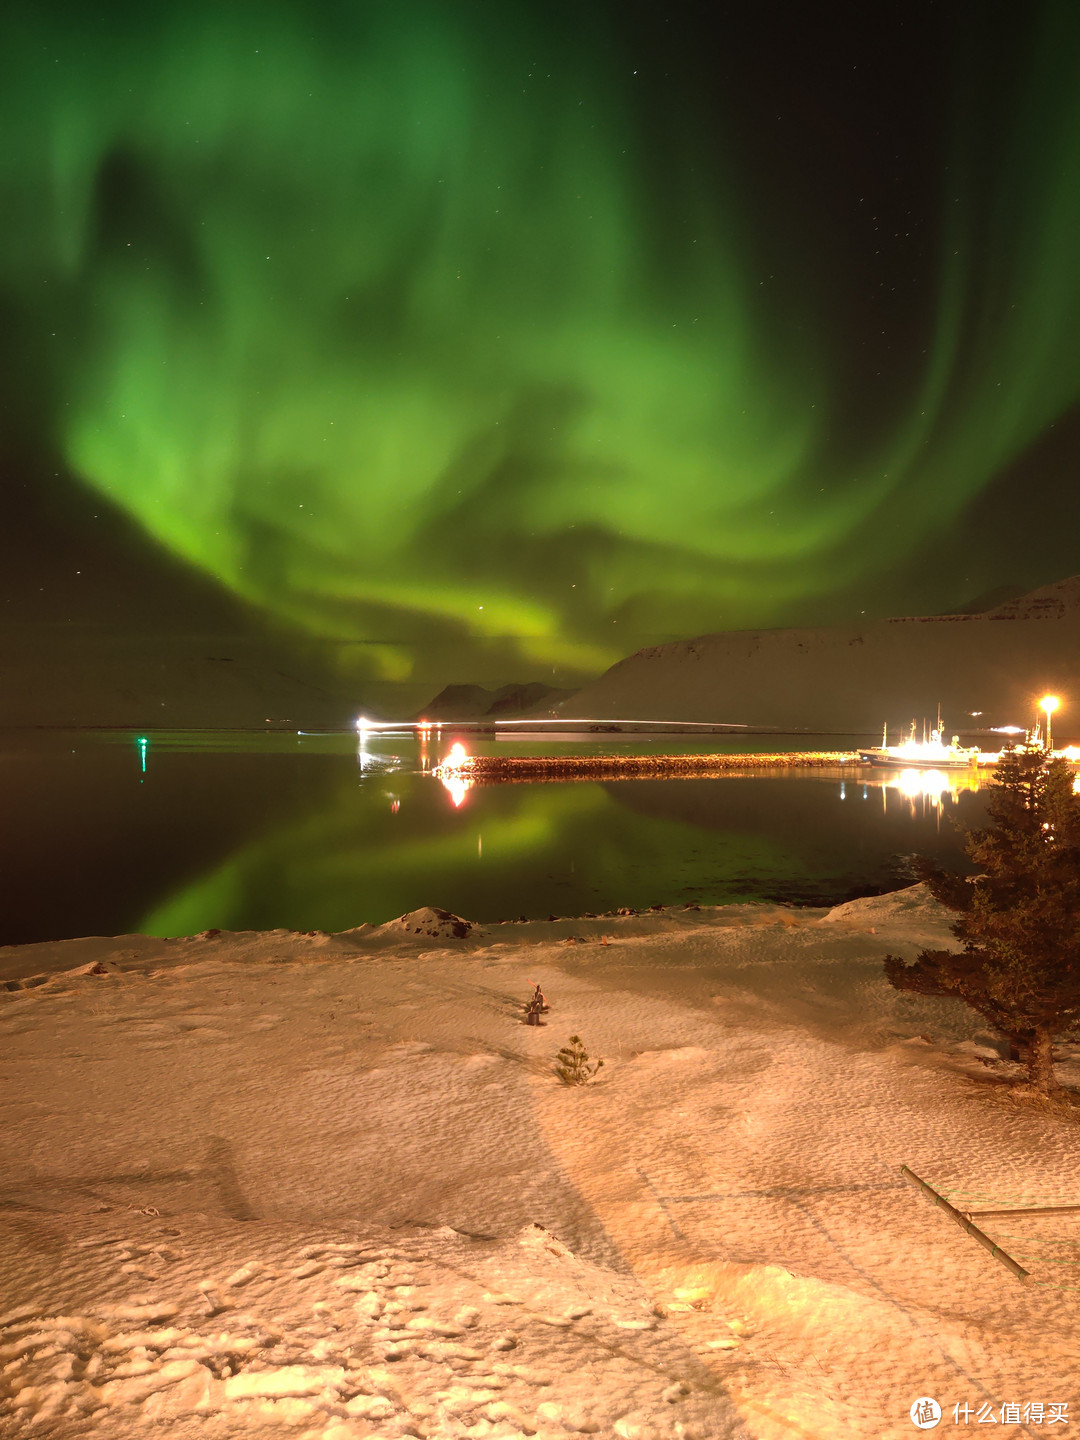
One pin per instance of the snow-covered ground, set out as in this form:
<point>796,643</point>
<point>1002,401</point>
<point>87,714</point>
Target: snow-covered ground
<point>330,1186</point>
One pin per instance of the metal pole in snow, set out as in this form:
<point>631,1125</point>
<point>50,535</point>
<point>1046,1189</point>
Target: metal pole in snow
<point>965,1224</point>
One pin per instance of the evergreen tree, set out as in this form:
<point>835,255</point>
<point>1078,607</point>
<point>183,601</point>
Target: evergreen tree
<point>1019,919</point>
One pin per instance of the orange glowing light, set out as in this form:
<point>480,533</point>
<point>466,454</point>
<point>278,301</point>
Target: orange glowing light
<point>457,788</point>
<point>1048,704</point>
<point>449,773</point>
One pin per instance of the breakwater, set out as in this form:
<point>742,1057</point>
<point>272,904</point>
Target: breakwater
<point>504,769</point>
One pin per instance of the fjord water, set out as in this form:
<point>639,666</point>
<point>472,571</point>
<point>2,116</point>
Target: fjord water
<point>172,834</point>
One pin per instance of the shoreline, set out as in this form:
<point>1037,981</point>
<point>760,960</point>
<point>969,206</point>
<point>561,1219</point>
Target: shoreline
<point>497,931</point>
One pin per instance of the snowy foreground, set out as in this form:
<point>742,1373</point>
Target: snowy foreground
<point>330,1186</point>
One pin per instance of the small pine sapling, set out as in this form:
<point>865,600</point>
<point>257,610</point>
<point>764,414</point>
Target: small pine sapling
<point>572,1063</point>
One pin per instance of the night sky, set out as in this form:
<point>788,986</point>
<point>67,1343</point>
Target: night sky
<point>523,334</point>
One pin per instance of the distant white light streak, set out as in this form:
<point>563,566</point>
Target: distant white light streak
<point>405,727</point>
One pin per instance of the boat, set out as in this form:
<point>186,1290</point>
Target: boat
<point>872,753</point>
<point>932,754</point>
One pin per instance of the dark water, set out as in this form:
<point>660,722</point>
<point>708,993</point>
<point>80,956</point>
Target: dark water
<point>176,833</point>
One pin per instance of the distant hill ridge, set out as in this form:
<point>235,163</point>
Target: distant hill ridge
<point>473,702</point>
<point>850,679</point>
<point>1051,602</point>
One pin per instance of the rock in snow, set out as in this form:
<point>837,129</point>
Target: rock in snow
<point>439,924</point>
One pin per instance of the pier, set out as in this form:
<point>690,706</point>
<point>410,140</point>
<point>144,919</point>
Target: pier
<point>504,769</point>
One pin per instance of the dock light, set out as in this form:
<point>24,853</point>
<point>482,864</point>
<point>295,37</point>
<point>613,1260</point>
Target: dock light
<point>457,784</point>
<point>453,774</point>
<point>1048,704</point>
<point>363,724</point>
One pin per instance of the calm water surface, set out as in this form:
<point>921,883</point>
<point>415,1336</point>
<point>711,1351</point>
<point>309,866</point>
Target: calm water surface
<point>171,834</point>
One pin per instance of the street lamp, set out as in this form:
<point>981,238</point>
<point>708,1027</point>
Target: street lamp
<point>1048,704</point>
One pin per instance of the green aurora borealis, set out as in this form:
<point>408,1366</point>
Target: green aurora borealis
<point>512,328</point>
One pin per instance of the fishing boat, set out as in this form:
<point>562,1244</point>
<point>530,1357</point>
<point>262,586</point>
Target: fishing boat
<point>934,754</point>
<point>930,754</point>
<point>873,753</point>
